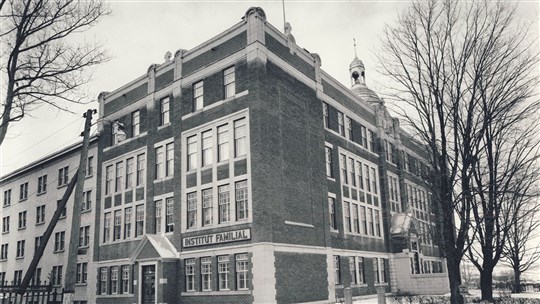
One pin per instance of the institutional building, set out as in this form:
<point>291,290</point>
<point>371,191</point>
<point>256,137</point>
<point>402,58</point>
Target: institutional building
<point>240,172</point>
<point>30,197</point>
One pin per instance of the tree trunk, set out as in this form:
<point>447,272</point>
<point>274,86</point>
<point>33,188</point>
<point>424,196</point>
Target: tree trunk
<point>517,281</point>
<point>486,284</point>
<point>454,278</point>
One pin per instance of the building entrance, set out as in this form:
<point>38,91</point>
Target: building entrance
<point>149,284</point>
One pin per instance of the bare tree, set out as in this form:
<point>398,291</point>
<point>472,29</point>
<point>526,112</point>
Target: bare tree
<point>448,61</point>
<point>40,62</point>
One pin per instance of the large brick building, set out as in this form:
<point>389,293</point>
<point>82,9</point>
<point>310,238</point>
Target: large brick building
<point>30,196</point>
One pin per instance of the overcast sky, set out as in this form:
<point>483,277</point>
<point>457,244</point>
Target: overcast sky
<point>139,33</point>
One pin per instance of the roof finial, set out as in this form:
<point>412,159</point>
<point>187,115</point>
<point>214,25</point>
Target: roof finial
<point>354,40</point>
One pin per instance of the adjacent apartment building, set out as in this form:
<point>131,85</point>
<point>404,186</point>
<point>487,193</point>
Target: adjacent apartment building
<point>30,197</point>
<point>240,172</point>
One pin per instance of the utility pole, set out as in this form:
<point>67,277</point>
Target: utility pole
<point>71,268</point>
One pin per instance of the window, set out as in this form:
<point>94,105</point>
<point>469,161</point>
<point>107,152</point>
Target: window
<point>40,214</point>
<point>5,224</point>
<point>22,220</point>
<point>343,165</point>
<point>347,214</point>
<point>352,174</point>
<point>103,280</point>
<point>139,220</point>
<point>371,141</point>
<point>352,270</point>
<point>223,272</point>
<point>361,270</point>
<point>224,204</point>
<point>135,123</point>
<point>337,271</point>
<point>348,125</point>
<point>394,196</point>
<point>207,207</point>
<point>370,221</point>
<point>190,274</point>
<point>159,212</point>
<point>355,221</point>
<point>377,223</point>
<point>127,222</point>
<point>206,274</point>
<point>7,197</point>
<point>332,212</point>
<point>363,225</point>
<point>241,271</point>
<point>107,227</point>
<point>20,249</point>
<point>4,252</point>
<point>114,280</point>
<point>90,166</point>
<point>229,86</point>
<point>374,180</point>
<point>160,163</point>
<point>119,176</point>
<point>192,152</point>
<point>379,269</point>
<point>42,184</point>
<point>117,225</point>
<point>191,210</point>
<point>84,236</point>
<point>23,194</point>
<point>359,172</point>
<point>363,137</point>
<point>141,163</point>
<point>169,215</point>
<point>223,142</point>
<point>2,278</point>
<point>17,277</point>
<point>36,279</point>
<point>326,120</point>
<point>169,159</point>
<point>341,126</point>
<point>129,172</point>
<point>241,200</point>
<point>207,152</point>
<point>82,273</point>
<point>198,96</point>
<point>59,241</point>
<point>108,179</point>
<point>64,211</point>
<point>164,117</point>
<point>328,153</point>
<point>240,137</point>
<point>86,204</point>
<point>63,178</point>
<point>125,279</point>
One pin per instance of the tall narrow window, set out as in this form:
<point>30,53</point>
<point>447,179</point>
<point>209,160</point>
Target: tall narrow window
<point>229,86</point>
<point>135,123</point>
<point>326,120</point>
<point>328,153</point>
<point>348,125</point>
<point>108,179</point>
<point>360,178</point>
<point>63,178</point>
<point>90,166</point>
<point>56,277</point>
<point>7,197</point>
<point>86,204</point>
<point>125,279</point>
<point>240,137</point>
<point>82,273</point>
<point>337,271</point>
<point>356,222</point>
<point>241,271</point>
<point>40,214</point>
<point>84,236</point>
<point>64,211</point>
<point>223,142</point>
<point>59,241</point>
<point>351,172</point>
<point>164,111</point>
<point>347,212</point>
<point>207,207</point>
<point>206,274</point>
<point>160,162</point>
<point>223,272</point>
<point>332,212</point>
<point>374,180</point>
<point>141,164</point>
<point>370,221</point>
<point>198,96</point>
<point>22,220</point>
<point>191,210</point>
<point>117,225</point>
<point>352,270</point>
<point>23,193</point>
<point>376,270</point>
<point>103,280</point>
<point>119,176</point>
<point>42,184</point>
<point>139,220</point>
<point>114,280</point>
<point>363,222</point>
<point>169,159</point>
<point>367,179</point>
<point>20,248</point>
<point>190,274</point>
<point>129,172</point>
<point>5,224</point>
<point>128,222</point>
<point>371,141</point>
<point>224,204</point>
<point>361,271</point>
<point>341,126</point>
<point>241,200</point>
<point>207,151</point>
<point>363,137</point>
<point>107,227</point>
<point>4,252</point>
<point>192,152</point>
<point>343,165</point>
<point>377,223</point>
<point>169,215</point>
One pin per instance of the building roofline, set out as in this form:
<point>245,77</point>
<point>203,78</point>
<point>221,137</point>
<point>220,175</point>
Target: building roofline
<point>47,158</point>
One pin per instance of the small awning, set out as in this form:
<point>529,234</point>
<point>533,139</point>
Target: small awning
<point>154,246</point>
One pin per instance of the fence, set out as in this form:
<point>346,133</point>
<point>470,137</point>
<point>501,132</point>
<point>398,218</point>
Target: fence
<point>35,294</point>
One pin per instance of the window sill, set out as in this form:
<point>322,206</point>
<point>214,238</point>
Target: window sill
<point>114,296</point>
<point>166,178</point>
<point>125,141</point>
<point>21,228</point>
<point>330,178</point>
<point>362,285</point>
<point>5,206</point>
<point>380,284</point>
<point>40,223</point>
<point>62,217</point>
<point>19,258</point>
<point>59,251</point>
<point>215,104</point>
<point>86,211</point>
<point>5,232</point>
<point>164,126</point>
<point>89,176</point>
<point>61,186</point>
<point>3,260</point>
<point>22,200</point>
<point>332,230</point>
<point>41,193</point>
<point>216,293</point>
<point>81,284</point>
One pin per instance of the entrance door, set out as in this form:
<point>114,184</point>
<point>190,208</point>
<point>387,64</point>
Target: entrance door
<point>149,284</point>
